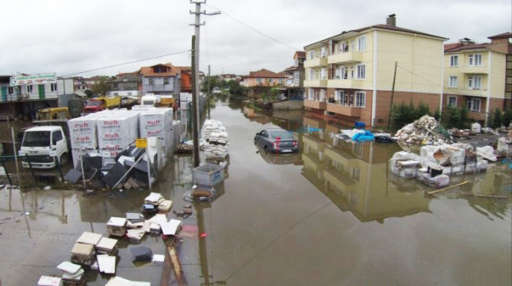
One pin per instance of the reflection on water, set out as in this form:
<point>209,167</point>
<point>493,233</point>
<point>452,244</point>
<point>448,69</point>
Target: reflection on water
<point>355,178</point>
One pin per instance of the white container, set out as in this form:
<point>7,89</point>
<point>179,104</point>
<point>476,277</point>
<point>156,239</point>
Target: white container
<point>208,174</point>
<point>476,128</point>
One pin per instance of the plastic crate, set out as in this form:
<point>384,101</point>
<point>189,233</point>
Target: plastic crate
<point>208,174</point>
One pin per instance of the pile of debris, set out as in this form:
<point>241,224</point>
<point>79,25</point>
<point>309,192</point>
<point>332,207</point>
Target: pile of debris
<point>435,164</point>
<point>95,252</point>
<point>424,131</point>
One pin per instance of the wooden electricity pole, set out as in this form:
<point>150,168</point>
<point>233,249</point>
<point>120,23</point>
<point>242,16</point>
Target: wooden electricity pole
<point>392,96</point>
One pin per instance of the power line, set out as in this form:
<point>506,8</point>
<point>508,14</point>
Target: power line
<point>256,30</point>
<point>125,63</point>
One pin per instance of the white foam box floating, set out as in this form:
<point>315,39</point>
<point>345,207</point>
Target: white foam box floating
<point>106,245</point>
<point>116,131</point>
<point>89,238</point>
<point>49,281</point>
<point>106,263</point>
<point>119,281</point>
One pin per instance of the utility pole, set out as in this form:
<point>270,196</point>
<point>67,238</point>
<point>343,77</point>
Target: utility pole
<point>195,111</point>
<point>208,94</point>
<point>195,73</point>
<point>392,96</point>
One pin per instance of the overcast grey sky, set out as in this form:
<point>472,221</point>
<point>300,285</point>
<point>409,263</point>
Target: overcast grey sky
<point>68,36</point>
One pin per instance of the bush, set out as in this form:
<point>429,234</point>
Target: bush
<point>404,114</point>
<point>496,120</point>
<point>453,117</point>
<point>507,117</point>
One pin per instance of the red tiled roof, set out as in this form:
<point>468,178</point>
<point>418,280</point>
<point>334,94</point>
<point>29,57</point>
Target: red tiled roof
<point>505,35</point>
<point>384,27</point>
<point>149,71</point>
<point>463,47</point>
<point>264,73</point>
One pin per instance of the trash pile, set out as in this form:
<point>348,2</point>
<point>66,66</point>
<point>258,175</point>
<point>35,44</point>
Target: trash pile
<point>435,164</point>
<point>424,131</point>
<point>95,252</point>
<point>104,150</point>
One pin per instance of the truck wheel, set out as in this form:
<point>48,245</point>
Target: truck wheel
<point>63,159</point>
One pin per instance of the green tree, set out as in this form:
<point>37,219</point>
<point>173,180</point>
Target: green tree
<point>507,117</point>
<point>498,118</point>
<point>101,86</point>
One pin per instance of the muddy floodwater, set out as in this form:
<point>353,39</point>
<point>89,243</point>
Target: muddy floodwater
<point>330,215</point>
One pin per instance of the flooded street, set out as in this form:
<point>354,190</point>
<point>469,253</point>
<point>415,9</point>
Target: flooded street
<point>333,216</point>
<point>330,215</point>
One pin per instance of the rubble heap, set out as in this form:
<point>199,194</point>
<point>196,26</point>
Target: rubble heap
<point>424,131</point>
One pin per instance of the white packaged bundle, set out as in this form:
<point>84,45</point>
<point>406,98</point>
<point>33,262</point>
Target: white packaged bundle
<point>116,131</point>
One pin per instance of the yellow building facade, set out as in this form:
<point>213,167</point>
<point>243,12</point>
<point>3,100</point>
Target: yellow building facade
<point>350,75</point>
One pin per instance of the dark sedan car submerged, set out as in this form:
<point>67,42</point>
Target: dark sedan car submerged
<point>276,140</point>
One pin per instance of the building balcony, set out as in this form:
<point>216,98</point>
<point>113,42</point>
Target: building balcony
<point>315,104</point>
<point>482,92</point>
<point>345,58</point>
<point>315,83</point>
<point>316,62</point>
<point>345,110</point>
<point>346,83</point>
<point>475,70</point>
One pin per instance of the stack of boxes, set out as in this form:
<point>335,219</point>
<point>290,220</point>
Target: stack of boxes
<point>109,132</point>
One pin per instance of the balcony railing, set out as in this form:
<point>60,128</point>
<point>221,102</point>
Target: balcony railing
<point>314,104</point>
<point>346,110</point>
<point>346,83</point>
<point>322,61</point>
<point>475,69</point>
<point>345,57</point>
<point>315,83</point>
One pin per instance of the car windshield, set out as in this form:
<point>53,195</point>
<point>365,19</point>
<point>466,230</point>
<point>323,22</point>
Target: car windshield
<point>284,135</point>
<point>36,139</point>
<point>93,103</point>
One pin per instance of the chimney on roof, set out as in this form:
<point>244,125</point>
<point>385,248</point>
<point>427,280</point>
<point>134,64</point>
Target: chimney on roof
<point>391,20</point>
<point>466,41</point>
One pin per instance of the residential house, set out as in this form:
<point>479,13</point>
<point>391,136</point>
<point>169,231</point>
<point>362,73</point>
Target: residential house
<point>186,78</point>
<point>263,77</point>
<point>503,43</point>
<point>474,77</point>
<point>229,77</point>
<point>125,84</point>
<point>349,76</point>
<point>295,76</point>
<point>161,79</point>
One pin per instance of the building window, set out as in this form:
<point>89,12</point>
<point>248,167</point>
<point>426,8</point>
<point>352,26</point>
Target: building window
<point>452,101</point>
<point>323,52</point>
<point>361,71</point>
<point>339,97</point>
<point>311,55</point>
<point>311,95</point>
<point>166,80</point>
<point>473,104</point>
<point>344,73</point>
<point>454,61</point>
<point>29,88</point>
<point>452,82</point>
<point>475,82</point>
<point>361,43</point>
<point>322,95</point>
<point>311,74</point>
<point>150,81</point>
<point>475,60</point>
<point>11,90</point>
<point>360,99</point>
<point>323,73</point>
<point>53,86</point>
<point>259,80</point>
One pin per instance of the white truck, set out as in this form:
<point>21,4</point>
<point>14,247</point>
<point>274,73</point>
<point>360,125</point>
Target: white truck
<point>43,145</point>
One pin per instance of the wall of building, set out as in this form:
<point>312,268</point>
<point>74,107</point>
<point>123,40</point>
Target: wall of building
<point>419,62</point>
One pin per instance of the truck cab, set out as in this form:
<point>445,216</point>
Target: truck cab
<point>94,105</point>
<point>43,145</point>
